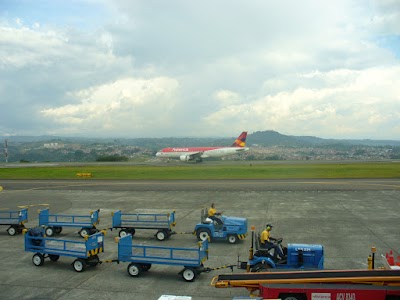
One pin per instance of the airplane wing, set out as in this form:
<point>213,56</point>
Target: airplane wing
<point>195,155</point>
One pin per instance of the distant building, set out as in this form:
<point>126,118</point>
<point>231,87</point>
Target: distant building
<point>53,145</point>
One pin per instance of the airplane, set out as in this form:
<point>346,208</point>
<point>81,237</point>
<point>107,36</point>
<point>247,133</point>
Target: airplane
<point>198,153</point>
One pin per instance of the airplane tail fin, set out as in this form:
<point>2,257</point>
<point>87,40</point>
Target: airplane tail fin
<point>241,140</point>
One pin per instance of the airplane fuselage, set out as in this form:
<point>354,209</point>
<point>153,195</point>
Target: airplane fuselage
<point>205,151</point>
<point>198,153</point>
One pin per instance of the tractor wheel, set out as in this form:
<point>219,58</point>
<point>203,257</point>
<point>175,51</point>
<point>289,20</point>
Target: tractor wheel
<point>261,267</point>
<point>232,239</point>
<point>203,234</point>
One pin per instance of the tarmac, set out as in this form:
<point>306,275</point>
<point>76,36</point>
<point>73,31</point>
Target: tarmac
<point>347,217</point>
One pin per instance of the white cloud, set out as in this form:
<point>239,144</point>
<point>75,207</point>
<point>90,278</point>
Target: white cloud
<point>208,68</point>
<point>348,103</point>
<point>119,108</point>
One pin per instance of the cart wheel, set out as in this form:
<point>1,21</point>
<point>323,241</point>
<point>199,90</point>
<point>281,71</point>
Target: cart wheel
<point>189,274</point>
<point>160,235</point>
<point>79,265</point>
<point>132,231</point>
<point>203,234</point>
<point>84,232</point>
<point>12,231</point>
<point>93,261</point>
<point>146,267</point>
<point>123,233</point>
<point>57,229</point>
<point>38,259</point>
<point>134,269</point>
<point>49,231</point>
<point>232,239</point>
<point>54,257</point>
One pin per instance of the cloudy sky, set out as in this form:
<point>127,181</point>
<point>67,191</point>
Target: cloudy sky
<point>157,68</point>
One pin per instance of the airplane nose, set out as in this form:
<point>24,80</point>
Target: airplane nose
<point>158,154</point>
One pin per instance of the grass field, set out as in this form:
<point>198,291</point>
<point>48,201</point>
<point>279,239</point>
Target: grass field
<point>218,171</point>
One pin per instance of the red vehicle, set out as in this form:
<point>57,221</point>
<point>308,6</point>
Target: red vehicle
<point>317,285</point>
<point>329,292</point>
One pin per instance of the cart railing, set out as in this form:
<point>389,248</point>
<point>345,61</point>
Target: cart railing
<point>35,241</point>
<point>143,220</point>
<point>13,217</point>
<point>47,219</point>
<point>190,257</point>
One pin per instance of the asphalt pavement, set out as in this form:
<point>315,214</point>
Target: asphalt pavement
<point>347,217</point>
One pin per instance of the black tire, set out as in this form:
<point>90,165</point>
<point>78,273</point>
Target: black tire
<point>57,229</point>
<point>203,234</point>
<point>189,274</point>
<point>131,231</point>
<point>12,231</point>
<point>123,233</point>
<point>161,235</point>
<point>292,297</point>
<point>49,231</point>
<point>38,259</point>
<point>54,257</point>
<point>79,265</point>
<point>93,261</point>
<point>232,239</point>
<point>84,232</point>
<point>261,267</point>
<point>146,267</point>
<point>134,269</point>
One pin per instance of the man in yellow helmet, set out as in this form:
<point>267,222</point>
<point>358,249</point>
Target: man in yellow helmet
<point>267,242</point>
<point>212,214</point>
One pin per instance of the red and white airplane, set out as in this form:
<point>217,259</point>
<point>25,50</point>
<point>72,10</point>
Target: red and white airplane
<point>198,153</point>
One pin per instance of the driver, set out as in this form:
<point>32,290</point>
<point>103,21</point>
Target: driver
<point>212,214</point>
<point>267,242</point>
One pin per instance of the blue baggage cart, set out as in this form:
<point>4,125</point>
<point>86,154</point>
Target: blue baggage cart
<point>15,219</point>
<point>86,252</point>
<point>142,257</point>
<point>128,223</point>
<point>54,223</point>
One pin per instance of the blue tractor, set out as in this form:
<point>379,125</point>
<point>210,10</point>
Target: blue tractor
<point>298,256</point>
<point>232,229</point>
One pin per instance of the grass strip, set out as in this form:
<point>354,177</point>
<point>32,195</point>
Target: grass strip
<point>226,171</point>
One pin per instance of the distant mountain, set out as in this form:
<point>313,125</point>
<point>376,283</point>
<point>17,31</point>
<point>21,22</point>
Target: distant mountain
<point>262,138</point>
<point>273,138</point>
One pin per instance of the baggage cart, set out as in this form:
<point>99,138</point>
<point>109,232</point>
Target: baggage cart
<point>142,257</point>
<point>86,252</point>
<point>54,223</point>
<point>128,223</point>
<point>15,219</point>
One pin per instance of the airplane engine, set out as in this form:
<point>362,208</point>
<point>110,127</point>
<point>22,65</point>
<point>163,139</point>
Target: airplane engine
<point>185,158</point>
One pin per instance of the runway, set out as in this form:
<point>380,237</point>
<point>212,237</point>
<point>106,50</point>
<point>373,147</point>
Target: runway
<point>346,216</point>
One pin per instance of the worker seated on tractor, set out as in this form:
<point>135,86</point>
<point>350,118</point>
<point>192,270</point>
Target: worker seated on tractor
<point>212,214</point>
<point>267,242</point>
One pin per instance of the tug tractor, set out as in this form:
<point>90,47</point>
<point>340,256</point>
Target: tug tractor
<point>232,229</point>
<point>297,256</point>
